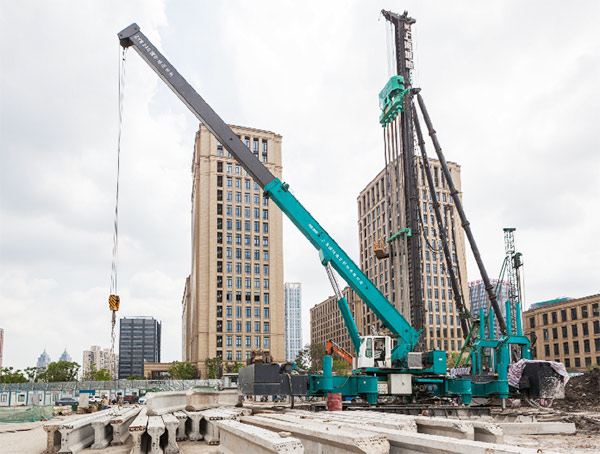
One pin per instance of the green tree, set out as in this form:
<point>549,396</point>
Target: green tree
<point>60,371</point>
<point>310,357</point>
<point>183,371</point>
<point>214,366</point>
<point>341,366</point>
<point>451,358</point>
<point>33,373</point>
<point>10,375</point>
<point>102,375</point>
<point>234,368</point>
<point>134,377</point>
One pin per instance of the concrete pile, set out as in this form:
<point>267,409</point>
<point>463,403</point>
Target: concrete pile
<point>170,418</point>
<point>97,430</point>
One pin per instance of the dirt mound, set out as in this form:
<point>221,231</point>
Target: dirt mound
<point>581,393</point>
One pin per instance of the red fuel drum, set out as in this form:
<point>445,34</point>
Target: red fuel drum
<point>334,402</point>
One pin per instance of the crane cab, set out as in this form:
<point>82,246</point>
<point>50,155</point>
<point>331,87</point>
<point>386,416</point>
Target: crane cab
<point>375,351</point>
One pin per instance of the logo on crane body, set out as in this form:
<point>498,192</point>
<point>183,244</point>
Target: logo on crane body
<point>154,56</point>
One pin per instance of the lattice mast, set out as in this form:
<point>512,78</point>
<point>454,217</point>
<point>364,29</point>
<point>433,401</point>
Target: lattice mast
<point>396,119</point>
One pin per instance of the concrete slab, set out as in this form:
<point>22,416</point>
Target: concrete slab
<point>318,436</point>
<point>537,428</point>
<point>161,403</point>
<point>201,399</point>
<point>237,437</point>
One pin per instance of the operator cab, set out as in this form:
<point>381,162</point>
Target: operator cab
<point>375,351</point>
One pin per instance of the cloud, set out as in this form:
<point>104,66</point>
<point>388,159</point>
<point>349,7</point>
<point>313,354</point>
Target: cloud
<point>511,88</point>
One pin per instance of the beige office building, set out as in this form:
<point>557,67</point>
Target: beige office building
<point>566,330</point>
<point>326,322</point>
<point>233,300</point>
<point>442,322</point>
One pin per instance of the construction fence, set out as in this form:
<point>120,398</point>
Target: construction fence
<point>40,394</point>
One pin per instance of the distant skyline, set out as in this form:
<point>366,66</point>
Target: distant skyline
<point>512,89</point>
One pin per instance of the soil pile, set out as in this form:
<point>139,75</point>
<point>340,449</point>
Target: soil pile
<point>581,393</point>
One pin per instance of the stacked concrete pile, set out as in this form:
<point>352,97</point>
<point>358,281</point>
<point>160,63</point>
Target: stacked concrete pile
<point>97,430</point>
<point>204,416</point>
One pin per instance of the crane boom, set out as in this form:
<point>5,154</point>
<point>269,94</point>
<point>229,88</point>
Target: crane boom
<point>329,251</point>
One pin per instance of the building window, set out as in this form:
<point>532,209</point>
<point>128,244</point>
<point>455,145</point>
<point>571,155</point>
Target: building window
<point>256,341</point>
<point>586,346</point>
<point>584,311</point>
<point>563,315</point>
<point>544,319</point>
<point>257,327</point>
<point>577,362</point>
<point>576,347</point>
<point>532,322</point>
<point>564,330</point>
<point>267,343</point>
<point>573,313</point>
<point>574,330</point>
<point>565,348</point>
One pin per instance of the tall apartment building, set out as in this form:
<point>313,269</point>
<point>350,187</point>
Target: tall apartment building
<point>442,323</point>
<point>233,302</point>
<point>65,356</point>
<point>478,298</point>
<point>100,359</point>
<point>293,319</point>
<point>43,360</point>
<point>139,341</point>
<point>565,330</point>
<point>326,322</point>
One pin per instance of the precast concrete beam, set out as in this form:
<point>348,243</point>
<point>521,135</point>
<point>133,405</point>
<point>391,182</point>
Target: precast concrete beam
<point>402,442</point>
<point>200,399</point>
<point>454,428</point>
<point>53,437</point>
<point>155,428</point>
<point>193,425</point>
<point>208,429</point>
<point>77,434</point>
<point>171,425</point>
<point>237,437</point>
<point>103,432</point>
<point>330,437</point>
<point>537,428</point>
<point>160,403</point>
<point>350,417</point>
<point>120,425</point>
<point>137,429</point>
<point>181,419</point>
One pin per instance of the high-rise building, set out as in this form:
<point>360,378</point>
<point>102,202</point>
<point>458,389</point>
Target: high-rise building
<point>43,360</point>
<point>442,323</point>
<point>65,356</point>
<point>139,341</point>
<point>565,330</point>
<point>1,347</point>
<point>478,298</point>
<point>293,319</point>
<point>326,322</point>
<point>98,358</point>
<point>233,301</point>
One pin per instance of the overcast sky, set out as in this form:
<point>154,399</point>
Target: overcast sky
<point>512,88</point>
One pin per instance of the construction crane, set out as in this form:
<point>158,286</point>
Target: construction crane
<point>389,360</point>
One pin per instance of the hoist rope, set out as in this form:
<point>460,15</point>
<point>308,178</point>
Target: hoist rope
<point>115,251</point>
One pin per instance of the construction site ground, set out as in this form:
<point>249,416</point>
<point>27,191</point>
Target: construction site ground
<point>29,437</point>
